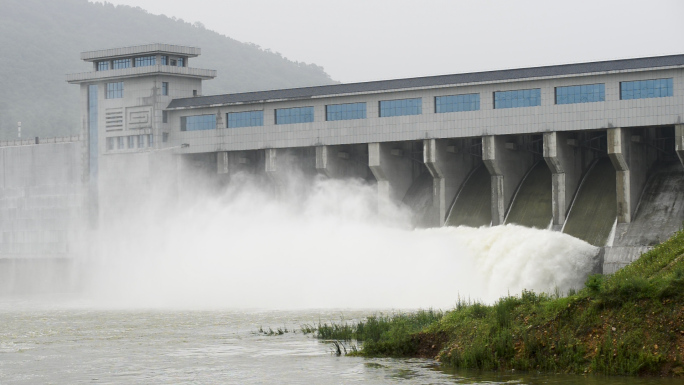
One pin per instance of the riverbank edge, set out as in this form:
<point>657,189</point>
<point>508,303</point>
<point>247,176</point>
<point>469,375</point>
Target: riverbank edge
<point>629,323</point>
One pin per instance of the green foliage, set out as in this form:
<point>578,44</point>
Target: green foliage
<point>380,334</point>
<point>41,41</point>
<point>594,283</point>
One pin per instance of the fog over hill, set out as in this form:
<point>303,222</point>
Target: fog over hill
<point>41,41</point>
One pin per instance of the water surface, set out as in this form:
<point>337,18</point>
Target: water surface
<point>76,345</point>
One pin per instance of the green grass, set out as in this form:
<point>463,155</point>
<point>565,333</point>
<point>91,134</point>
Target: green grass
<point>630,323</point>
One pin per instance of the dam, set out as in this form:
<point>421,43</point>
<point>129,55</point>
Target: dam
<point>593,150</point>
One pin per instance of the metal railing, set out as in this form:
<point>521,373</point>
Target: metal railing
<point>38,140</point>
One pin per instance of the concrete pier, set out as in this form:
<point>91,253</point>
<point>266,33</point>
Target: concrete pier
<point>507,164</point>
<point>632,158</point>
<point>347,161</point>
<point>679,142</point>
<point>392,169</point>
<point>449,163</point>
<point>560,154</point>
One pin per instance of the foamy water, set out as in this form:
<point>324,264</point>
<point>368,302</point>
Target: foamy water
<point>319,245</point>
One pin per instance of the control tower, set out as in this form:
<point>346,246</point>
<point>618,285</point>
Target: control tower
<point>122,103</point>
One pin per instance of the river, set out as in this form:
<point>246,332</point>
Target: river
<point>77,344</point>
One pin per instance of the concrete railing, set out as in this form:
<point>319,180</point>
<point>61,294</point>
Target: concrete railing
<point>38,140</point>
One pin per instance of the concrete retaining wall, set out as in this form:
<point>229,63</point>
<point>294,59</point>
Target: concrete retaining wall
<point>42,200</point>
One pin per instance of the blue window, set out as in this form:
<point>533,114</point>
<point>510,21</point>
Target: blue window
<point>164,60</point>
<point>517,98</point>
<point>587,93</point>
<point>181,62</point>
<point>345,111</point>
<point>102,65</point>
<point>456,103</point>
<point>92,132</point>
<point>165,88</point>
<point>121,63</point>
<point>145,61</point>
<point>198,122</point>
<point>401,107</point>
<point>245,119</point>
<point>641,89</point>
<point>294,115</point>
<point>115,90</point>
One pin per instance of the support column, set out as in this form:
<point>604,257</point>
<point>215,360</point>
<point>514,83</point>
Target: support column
<point>507,166</point>
<point>222,162</point>
<point>341,161</point>
<point>233,162</point>
<point>619,156</point>
<point>271,167</point>
<point>449,164</point>
<point>632,158</point>
<point>566,172</point>
<point>391,169</point>
<point>679,142</point>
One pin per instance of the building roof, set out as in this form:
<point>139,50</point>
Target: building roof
<point>430,81</point>
<point>141,49</point>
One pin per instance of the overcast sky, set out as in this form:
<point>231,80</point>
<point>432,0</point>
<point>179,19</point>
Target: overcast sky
<point>360,40</point>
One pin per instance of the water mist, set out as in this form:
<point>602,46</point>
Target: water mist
<point>320,244</point>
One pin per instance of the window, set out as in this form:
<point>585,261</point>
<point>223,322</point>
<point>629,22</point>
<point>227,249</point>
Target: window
<point>120,143</point>
<point>115,90</point>
<point>165,116</point>
<point>401,107</point>
<point>92,132</point>
<point>245,119</point>
<point>141,141</point>
<point>181,62</point>
<point>121,63</point>
<point>164,60</point>
<point>518,98</point>
<point>165,88</point>
<point>149,140</point>
<point>145,61</point>
<point>294,115</point>
<point>110,144</point>
<point>587,93</point>
<point>457,103</point>
<point>345,111</point>
<point>198,122</point>
<point>643,89</point>
<point>102,65</point>
<point>131,142</point>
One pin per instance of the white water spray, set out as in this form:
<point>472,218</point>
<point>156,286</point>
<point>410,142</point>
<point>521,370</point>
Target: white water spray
<point>324,246</point>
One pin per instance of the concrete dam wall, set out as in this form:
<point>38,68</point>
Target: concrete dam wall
<point>43,205</point>
<point>46,215</point>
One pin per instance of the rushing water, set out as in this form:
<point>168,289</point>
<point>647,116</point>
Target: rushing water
<point>157,280</point>
<point>76,345</point>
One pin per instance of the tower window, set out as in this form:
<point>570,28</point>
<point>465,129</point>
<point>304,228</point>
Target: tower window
<point>115,90</point>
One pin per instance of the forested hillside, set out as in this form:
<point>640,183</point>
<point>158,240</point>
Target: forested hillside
<point>41,40</point>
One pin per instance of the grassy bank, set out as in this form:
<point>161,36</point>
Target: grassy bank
<point>630,323</point>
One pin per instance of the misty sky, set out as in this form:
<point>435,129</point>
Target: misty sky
<point>360,40</point>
